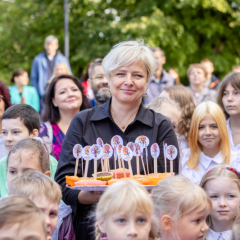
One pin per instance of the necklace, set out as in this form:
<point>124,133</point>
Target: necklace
<point>234,131</point>
<point>123,126</point>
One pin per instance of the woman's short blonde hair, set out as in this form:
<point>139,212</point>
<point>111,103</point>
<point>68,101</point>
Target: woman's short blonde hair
<point>127,53</point>
<point>123,197</point>
<point>177,196</point>
<point>200,112</point>
<point>33,184</point>
<point>20,210</point>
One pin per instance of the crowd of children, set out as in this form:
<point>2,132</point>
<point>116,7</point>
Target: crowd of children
<point>201,202</point>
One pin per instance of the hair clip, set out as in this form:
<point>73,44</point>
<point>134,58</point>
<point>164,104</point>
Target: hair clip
<point>41,141</point>
<point>233,170</point>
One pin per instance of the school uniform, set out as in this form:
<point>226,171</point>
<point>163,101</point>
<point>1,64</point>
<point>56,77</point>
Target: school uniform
<point>212,235</point>
<point>205,163</point>
<point>234,148</point>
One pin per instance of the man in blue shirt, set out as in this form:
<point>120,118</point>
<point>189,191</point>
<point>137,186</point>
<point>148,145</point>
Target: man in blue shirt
<point>98,83</point>
<point>43,64</point>
<point>160,79</point>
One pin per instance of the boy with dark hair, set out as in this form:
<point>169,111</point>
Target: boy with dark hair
<point>19,122</point>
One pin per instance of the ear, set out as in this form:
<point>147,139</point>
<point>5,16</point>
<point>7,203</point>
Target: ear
<point>102,227</point>
<point>163,59</point>
<point>35,133</point>
<point>57,46</point>
<point>166,222</point>
<point>48,173</point>
<point>54,103</point>
<point>89,81</point>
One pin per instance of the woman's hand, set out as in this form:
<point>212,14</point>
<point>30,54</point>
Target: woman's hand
<point>88,197</point>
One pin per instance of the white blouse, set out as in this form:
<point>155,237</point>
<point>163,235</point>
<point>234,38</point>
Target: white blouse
<point>212,235</point>
<point>182,145</point>
<point>205,163</point>
<point>234,148</point>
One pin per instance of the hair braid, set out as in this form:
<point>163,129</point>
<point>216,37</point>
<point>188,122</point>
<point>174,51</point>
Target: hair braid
<point>97,232</point>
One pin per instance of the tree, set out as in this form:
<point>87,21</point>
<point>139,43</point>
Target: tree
<point>187,30</point>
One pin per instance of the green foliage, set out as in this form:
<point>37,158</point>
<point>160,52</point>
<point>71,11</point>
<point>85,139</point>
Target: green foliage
<point>187,30</point>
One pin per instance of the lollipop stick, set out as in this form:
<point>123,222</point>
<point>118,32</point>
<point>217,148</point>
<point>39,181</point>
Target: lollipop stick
<point>138,169</point>
<point>115,168</point>
<point>95,169</point>
<point>108,165</point>
<point>119,163</point>
<point>105,164</point>
<point>143,166</point>
<point>82,167</point>
<point>102,164</point>
<point>171,167</point>
<point>155,167</point>
<point>124,172</point>
<point>165,163</point>
<point>147,165</point>
<point>130,167</point>
<point>86,169</point>
<point>76,167</point>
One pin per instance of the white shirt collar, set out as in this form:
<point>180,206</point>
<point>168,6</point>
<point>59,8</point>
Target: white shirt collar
<point>206,161</point>
<point>212,235</point>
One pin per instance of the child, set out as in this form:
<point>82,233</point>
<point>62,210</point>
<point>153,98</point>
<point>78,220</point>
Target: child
<point>168,108</point>
<point>236,228</point>
<point>29,154</point>
<point>228,98</point>
<point>209,143</point>
<point>197,76</point>
<point>222,185</point>
<point>19,122</point>
<point>20,219</point>
<point>182,96</point>
<point>124,211</point>
<point>21,92</point>
<point>181,207</point>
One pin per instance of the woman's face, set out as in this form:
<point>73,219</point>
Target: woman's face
<point>129,83</point>
<point>208,133</point>
<point>231,100</point>
<point>197,76</point>
<point>68,96</point>
<point>21,80</point>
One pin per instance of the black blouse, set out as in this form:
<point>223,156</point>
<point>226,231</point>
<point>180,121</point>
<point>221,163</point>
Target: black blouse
<point>96,122</point>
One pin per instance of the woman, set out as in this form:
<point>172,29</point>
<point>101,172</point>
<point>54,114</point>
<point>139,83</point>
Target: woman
<point>64,99</point>
<point>21,92</point>
<point>197,76</point>
<point>128,68</point>
<point>5,103</point>
<point>228,98</point>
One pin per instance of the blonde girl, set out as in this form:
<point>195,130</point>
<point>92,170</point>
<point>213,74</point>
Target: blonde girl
<point>124,211</point>
<point>228,98</point>
<point>208,142</point>
<point>222,185</point>
<point>236,228</point>
<point>181,208</point>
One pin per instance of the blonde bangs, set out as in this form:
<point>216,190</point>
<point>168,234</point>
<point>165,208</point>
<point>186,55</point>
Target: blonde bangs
<point>124,197</point>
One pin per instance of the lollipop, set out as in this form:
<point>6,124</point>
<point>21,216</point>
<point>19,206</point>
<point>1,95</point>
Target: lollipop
<point>171,153</point>
<point>100,142</point>
<point>86,153</point>
<point>144,141</point>
<point>155,152</point>
<point>138,152</point>
<point>127,155</point>
<point>77,149</point>
<point>97,152</point>
<point>107,153</point>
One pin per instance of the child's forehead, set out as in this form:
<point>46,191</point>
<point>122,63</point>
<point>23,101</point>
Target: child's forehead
<point>24,156</point>
<point>13,123</point>
<point>42,201</point>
